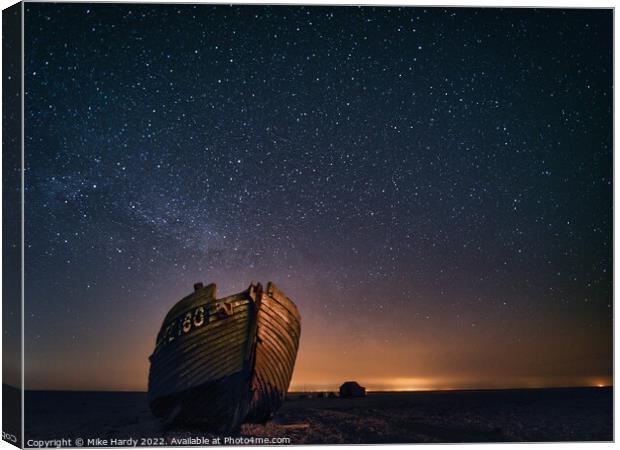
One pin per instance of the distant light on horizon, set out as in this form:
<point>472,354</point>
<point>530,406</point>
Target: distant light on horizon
<point>429,384</point>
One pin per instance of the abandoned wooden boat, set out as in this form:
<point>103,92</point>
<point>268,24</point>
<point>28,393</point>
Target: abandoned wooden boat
<point>220,362</point>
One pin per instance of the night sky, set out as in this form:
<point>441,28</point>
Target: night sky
<point>431,186</point>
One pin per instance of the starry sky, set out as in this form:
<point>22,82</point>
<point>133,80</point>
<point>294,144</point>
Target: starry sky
<point>431,186</point>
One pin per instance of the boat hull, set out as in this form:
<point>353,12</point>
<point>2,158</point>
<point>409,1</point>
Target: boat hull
<point>202,365</point>
<point>279,330</point>
<point>218,405</point>
<point>221,362</point>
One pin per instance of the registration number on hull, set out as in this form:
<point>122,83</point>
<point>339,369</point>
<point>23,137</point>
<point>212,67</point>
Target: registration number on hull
<point>194,319</point>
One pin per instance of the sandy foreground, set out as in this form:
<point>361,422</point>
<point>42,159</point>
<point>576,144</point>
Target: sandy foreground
<point>583,414</point>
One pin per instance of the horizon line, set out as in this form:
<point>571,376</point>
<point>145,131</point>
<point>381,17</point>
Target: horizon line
<point>388,390</point>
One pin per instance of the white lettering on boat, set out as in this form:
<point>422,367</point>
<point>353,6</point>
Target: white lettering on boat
<point>194,319</point>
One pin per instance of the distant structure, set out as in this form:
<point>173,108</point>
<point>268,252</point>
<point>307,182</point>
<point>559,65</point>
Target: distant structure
<point>351,389</point>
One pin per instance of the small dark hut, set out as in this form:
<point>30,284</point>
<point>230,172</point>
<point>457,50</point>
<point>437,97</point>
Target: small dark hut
<point>350,389</point>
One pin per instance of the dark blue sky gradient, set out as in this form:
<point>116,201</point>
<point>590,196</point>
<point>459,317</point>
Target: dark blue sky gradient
<point>433,187</point>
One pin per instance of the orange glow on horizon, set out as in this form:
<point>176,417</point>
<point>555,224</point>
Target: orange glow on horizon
<point>429,384</point>
<point>378,356</point>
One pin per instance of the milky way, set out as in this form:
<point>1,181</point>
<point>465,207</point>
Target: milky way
<point>433,187</point>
